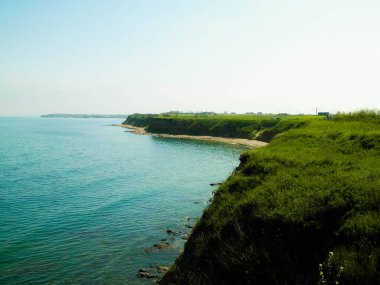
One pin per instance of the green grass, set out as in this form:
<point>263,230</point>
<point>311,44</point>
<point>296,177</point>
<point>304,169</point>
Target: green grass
<point>261,127</point>
<point>315,189</point>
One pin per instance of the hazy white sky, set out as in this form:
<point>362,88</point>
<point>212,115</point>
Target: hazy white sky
<point>109,56</point>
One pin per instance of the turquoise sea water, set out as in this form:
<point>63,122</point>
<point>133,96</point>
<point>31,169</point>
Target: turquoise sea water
<point>81,201</point>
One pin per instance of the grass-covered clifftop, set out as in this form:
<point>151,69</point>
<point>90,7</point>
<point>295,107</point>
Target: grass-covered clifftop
<point>314,190</point>
<point>260,127</point>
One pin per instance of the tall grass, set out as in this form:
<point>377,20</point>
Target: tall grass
<point>363,115</point>
<point>315,189</point>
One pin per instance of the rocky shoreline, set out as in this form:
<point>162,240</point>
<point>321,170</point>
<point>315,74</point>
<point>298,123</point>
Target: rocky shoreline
<point>156,272</point>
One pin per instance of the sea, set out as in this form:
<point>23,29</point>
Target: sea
<point>85,202</point>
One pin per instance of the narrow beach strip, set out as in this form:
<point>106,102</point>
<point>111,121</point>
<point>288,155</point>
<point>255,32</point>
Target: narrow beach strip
<point>244,142</point>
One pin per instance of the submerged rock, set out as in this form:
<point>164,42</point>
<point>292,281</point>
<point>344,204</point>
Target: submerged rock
<point>185,237</point>
<point>157,246</point>
<point>143,272</point>
<point>170,232</point>
<point>162,269</point>
<point>161,245</point>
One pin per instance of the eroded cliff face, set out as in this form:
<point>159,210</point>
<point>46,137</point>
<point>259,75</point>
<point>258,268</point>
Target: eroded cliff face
<point>246,127</point>
<point>314,190</point>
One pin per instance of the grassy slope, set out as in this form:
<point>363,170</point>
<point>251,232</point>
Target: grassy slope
<point>314,189</point>
<point>235,126</point>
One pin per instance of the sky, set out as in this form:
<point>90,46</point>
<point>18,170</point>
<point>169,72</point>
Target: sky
<point>151,56</point>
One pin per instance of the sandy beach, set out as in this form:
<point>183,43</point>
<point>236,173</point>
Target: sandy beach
<point>244,142</point>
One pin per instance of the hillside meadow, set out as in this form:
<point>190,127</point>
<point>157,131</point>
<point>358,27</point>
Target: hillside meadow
<point>303,210</point>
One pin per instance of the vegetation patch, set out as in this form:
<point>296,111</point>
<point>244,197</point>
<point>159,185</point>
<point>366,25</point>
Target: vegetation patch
<point>303,210</point>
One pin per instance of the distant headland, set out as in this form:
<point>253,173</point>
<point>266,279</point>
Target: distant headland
<point>84,116</point>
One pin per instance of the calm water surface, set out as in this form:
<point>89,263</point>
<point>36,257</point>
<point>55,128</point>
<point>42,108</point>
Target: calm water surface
<point>81,201</point>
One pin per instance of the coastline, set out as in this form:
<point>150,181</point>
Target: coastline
<point>257,218</point>
<point>244,142</point>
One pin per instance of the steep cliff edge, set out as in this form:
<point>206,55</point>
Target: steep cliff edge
<point>303,210</point>
<point>312,191</point>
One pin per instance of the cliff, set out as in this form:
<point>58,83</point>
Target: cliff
<point>303,210</point>
<point>262,128</point>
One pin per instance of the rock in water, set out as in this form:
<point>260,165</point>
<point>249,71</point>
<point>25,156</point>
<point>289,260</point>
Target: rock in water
<point>143,272</point>
<point>162,269</point>
<point>161,245</point>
